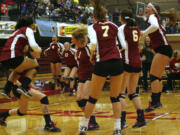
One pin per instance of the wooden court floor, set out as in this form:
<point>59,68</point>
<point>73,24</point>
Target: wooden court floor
<point>66,114</point>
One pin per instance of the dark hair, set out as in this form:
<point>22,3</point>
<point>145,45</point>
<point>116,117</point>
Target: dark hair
<point>24,21</point>
<point>157,7</point>
<point>175,54</point>
<point>127,15</point>
<point>99,11</point>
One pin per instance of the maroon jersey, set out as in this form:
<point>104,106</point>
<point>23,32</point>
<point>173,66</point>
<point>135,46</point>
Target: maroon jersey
<point>69,57</point>
<point>157,37</point>
<point>54,51</point>
<point>131,55</point>
<point>85,68</point>
<point>104,35</point>
<point>14,46</point>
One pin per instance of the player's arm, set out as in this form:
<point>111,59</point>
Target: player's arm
<point>93,42</point>
<point>153,26</point>
<point>121,38</point>
<point>92,53</point>
<point>32,43</point>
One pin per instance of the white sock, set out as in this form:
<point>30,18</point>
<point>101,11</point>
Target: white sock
<point>117,124</point>
<point>84,122</point>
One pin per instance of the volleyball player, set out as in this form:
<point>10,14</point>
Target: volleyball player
<point>85,69</point>
<point>70,71</point>
<point>55,49</point>
<point>12,55</point>
<point>163,53</point>
<point>23,104</point>
<point>103,36</point>
<point>129,36</point>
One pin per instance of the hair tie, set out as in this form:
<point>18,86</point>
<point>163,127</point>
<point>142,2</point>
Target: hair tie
<point>153,7</point>
<point>126,17</point>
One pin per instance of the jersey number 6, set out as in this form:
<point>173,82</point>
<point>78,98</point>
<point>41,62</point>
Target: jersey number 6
<point>135,35</point>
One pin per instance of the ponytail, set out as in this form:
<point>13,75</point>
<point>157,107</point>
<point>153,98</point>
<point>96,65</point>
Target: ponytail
<point>99,11</point>
<point>25,21</point>
<point>127,15</point>
<point>130,21</point>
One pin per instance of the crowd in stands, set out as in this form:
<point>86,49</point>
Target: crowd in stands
<point>56,10</point>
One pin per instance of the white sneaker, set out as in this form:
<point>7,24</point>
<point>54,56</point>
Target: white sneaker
<point>82,130</point>
<point>117,132</point>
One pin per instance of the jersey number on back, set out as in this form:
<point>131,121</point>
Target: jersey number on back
<point>106,29</point>
<point>135,35</point>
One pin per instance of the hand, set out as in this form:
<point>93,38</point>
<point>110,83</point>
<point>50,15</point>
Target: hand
<point>142,33</point>
<point>92,60</point>
<point>92,53</point>
<point>153,51</point>
<point>26,48</point>
<point>36,55</point>
<point>45,54</point>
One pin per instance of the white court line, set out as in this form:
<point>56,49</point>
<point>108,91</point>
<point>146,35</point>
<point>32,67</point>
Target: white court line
<point>155,118</point>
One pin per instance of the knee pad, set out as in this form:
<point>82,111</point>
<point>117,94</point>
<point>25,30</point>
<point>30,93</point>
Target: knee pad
<point>71,79</point>
<point>131,96</point>
<point>122,95</point>
<point>59,76</point>
<point>64,78</point>
<point>114,99</point>
<point>92,100</point>
<point>82,102</point>
<point>153,78</point>
<point>19,113</point>
<point>44,100</point>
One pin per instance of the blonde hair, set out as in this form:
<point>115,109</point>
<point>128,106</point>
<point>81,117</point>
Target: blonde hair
<point>67,43</point>
<point>81,34</point>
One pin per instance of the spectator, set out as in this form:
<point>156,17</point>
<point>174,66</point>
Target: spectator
<point>84,18</point>
<point>68,3</point>
<point>174,70</point>
<point>41,8</point>
<point>115,17</point>
<point>90,20</point>
<point>23,8</point>
<point>147,56</point>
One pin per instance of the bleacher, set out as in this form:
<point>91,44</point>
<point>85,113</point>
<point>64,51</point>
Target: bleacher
<point>44,65</point>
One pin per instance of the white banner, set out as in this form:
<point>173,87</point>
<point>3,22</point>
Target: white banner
<point>6,28</point>
<point>65,30</point>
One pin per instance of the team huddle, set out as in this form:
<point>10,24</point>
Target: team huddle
<point>101,50</point>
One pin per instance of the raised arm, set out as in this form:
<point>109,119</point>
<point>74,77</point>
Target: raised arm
<point>30,35</point>
<point>153,25</point>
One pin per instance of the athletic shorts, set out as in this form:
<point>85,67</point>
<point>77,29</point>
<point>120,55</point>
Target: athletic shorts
<point>165,50</point>
<point>131,69</point>
<point>12,63</point>
<point>56,61</point>
<point>71,67</point>
<point>83,81</point>
<point>111,67</point>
